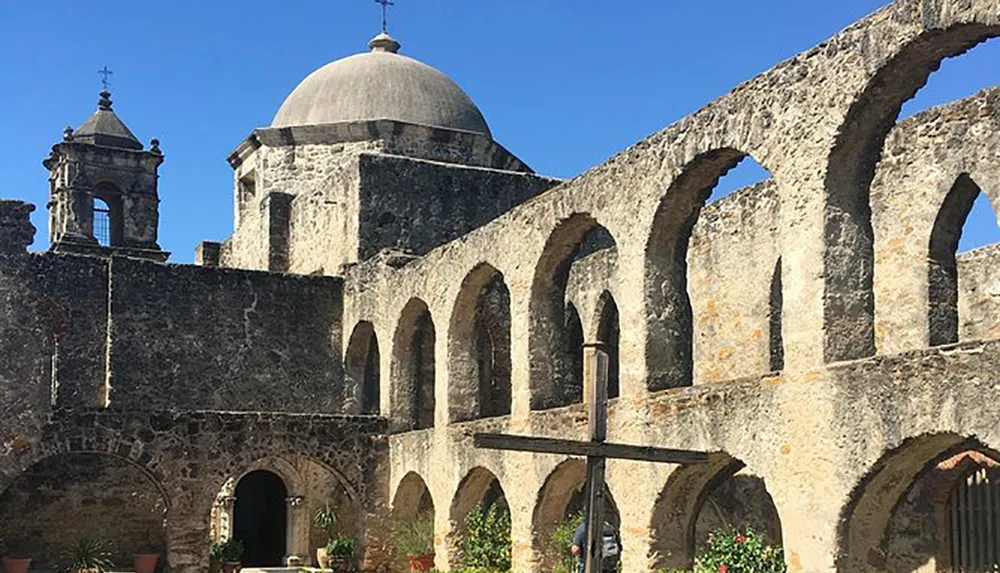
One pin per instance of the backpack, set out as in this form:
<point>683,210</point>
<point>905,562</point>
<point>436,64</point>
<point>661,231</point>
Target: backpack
<point>610,548</point>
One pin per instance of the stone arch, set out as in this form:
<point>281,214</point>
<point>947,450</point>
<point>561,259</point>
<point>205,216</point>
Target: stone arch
<point>848,257</point>
<point>678,510</point>
<point>553,380</point>
<point>942,266</point>
<point>479,347</point>
<point>862,536</point>
<point>669,345</point>
<point>609,335</point>
<point>98,494</point>
<point>361,366</point>
<point>479,487</point>
<point>412,376</point>
<point>412,498</point>
<point>561,495</point>
<point>311,484</point>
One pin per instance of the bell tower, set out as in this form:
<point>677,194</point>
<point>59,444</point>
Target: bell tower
<point>103,195</point>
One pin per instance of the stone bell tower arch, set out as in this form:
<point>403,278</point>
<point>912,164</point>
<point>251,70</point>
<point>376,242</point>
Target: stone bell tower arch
<point>103,196</point>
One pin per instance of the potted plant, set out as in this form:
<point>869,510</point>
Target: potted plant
<point>227,554</point>
<point>340,554</point>
<point>145,562</point>
<point>325,519</point>
<point>87,555</point>
<point>414,539</point>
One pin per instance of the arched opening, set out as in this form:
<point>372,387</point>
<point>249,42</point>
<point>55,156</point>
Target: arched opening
<point>608,334</point>
<point>361,365</point>
<point>260,518</point>
<point>743,177</point>
<point>848,259</point>
<point>479,347</point>
<point>559,510</point>
<point>775,303</point>
<point>669,347</point>
<point>107,218</point>
<point>942,270</point>
<point>479,491</point>
<point>580,247</point>
<point>67,497</point>
<point>309,487</point>
<point>413,368</point>
<point>721,496</point>
<point>412,514</point>
<point>929,505</point>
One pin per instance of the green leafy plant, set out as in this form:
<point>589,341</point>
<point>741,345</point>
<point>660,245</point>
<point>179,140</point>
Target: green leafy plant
<point>486,542</point>
<point>740,552</point>
<point>87,554</point>
<point>340,547</point>
<point>562,539</point>
<point>326,519</point>
<point>414,537</point>
<point>228,551</point>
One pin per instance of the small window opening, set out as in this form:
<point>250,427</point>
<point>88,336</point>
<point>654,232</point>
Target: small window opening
<point>102,222</point>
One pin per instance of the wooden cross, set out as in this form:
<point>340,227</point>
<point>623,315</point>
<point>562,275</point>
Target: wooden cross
<point>105,77</point>
<point>597,450</point>
<point>385,8</point>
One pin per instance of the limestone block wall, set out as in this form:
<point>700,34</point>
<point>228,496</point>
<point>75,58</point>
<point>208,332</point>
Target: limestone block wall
<point>932,168</point>
<point>735,300</point>
<point>979,293</point>
<point>208,338</point>
<point>415,206</point>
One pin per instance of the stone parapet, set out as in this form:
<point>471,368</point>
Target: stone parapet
<point>16,230</point>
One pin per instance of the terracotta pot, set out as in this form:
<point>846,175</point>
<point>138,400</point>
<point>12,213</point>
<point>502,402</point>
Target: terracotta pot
<point>145,562</point>
<point>230,566</point>
<point>15,565</point>
<point>423,562</point>
<point>321,561</point>
<point>341,565</point>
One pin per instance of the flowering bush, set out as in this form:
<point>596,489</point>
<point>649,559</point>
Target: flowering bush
<point>740,552</point>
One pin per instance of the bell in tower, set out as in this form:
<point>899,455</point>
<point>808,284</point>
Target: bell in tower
<point>103,198</point>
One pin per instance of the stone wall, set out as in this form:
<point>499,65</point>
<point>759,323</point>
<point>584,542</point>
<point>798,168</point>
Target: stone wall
<point>415,206</point>
<point>208,338</point>
<point>979,294</point>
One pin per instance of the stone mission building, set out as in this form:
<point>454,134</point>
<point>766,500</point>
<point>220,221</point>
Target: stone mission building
<point>397,281</point>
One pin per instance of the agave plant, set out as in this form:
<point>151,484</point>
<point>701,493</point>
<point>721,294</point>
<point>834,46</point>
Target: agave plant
<point>89,555</point>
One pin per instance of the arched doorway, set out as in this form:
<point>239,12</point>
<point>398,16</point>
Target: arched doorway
<point>260,518</point>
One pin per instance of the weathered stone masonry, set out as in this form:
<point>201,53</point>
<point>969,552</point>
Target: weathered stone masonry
<point>815,332</point>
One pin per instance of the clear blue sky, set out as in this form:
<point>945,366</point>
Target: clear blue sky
<point>564,84</point>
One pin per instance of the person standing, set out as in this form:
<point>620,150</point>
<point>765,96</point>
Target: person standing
<point>611,548</point>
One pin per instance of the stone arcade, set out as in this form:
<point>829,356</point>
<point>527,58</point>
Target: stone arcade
<point>397,281</point>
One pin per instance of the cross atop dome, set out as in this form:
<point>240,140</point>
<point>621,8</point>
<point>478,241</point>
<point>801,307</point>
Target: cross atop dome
<point>385,11</point>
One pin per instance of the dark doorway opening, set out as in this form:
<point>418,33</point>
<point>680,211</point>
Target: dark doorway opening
<point>260,518</point>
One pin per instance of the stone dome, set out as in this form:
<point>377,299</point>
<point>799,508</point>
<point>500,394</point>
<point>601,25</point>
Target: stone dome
<point>380,84</point>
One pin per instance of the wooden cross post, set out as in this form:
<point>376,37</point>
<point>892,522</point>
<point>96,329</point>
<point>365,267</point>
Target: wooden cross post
<point>597,449</point>
<point>596,397</point>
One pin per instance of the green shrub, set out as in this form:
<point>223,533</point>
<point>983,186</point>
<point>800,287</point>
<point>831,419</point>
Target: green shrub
<point>228,551</point>
<point>740,552</point>
<point>414,536</point>
<point>326,519</point>
<point>87,553</point>
<point>562,539</point>
<point>486,543</point>
<point>341,547</point>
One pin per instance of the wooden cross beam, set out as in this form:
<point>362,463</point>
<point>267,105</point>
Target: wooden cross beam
<point>597,450</point>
